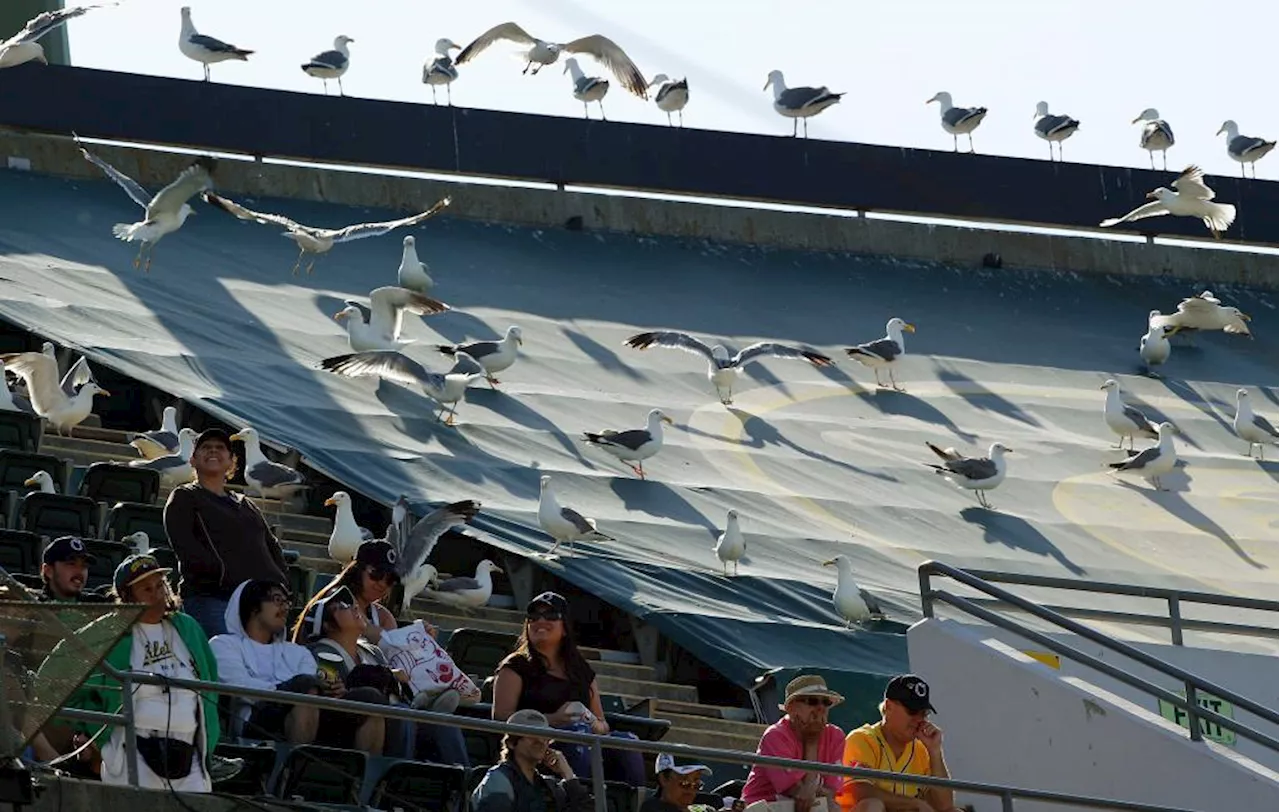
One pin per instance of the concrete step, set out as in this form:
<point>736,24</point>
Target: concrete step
<point>449,622</point>
<point>95,433</point>
<point>726,726</point>
<point>53,444</point>
<point>710,738</point>
<point>647,689</point>
<point>665,707</point>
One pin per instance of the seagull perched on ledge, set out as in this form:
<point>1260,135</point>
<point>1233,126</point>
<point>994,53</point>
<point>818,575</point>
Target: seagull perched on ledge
<point>671,97</point>
<point>1053,128</point>
<point>22,47</point>
<point>1243,148</point>
<point>958,120</point>
<point>1192,199</point>
<point>1157,135</point>
<point>328,65</point>
<point>441,70</point>
<point>205,49</point>
<point>586,88</point>
<point>798,102</point>
<point>542,53</point>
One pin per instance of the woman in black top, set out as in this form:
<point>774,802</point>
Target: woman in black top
<point>548,673</point>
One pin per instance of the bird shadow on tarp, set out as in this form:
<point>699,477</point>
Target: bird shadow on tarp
<point>1017,533</point>
<point>601,354</point>
<point>982,398</point>
<point>763,433</point>
<point>456,327</point>
<point>764,376</point>
<point>515,410</point>
<point>1188,395</point>
<point>659,499</point>
<point>1157,416</point>
<point>471,463</point>
<point>905,404</point>
<point>1270,395</point>
<point>838,375</point>
<point>1172,501</point>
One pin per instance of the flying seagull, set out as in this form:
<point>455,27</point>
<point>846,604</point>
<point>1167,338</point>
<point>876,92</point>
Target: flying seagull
<point>446,389</point>
<point>672,96</point>
<point>23,46</point>
<point>378,325</point>
<point>958,120</point>
<point>722,369</point>
<point>166,212</point>
<point>493,356</point>
<point>1154,462</point>
<point>162,441</point>
<point>1157,135</point>
<point>328,65</point>
<point>632,446</point>
<point>1123,419</point>
<point>1203,312</point>
<point>49,398</point>
<point>1244,149</point>
<point>317,241</point>
<point>884,353</point>
<point>414,541</point>
<point>541,53</point>
<point>205,49</point>
<point>1192,198</point>
<point>562,523</point>
<point>1053,128</point>
<point>1254,429</point>
<point>977,474</point>
<point>441,70</point>
<point>262,476</point>
<point>798,103</point>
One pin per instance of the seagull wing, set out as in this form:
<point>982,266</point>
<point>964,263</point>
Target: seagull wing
<point>362,230</point>
<point>1139,460</point>
<point>76,377</point>
<point>193,179</point>
<point>130,186</point>
<point>662,338</point>
<point>1264,425</point>
<point>507,31</point>
<point>972,468</point>
<point>388,364</point>
<point>328,59</point>
<point>780,351</point>
<point>886,349</point>
<point>1191,183</point>
<point>947,454</point>
<point>42,24</point>
<point>417,548</point>
<point>1139,419</point>
<point>41,374</point>
<point>615,59</point>
<point>271,474</point>
<point>580,523</point>
<point>389,303</point>
<point>464,364</point>
<point>236,210</point>
<point>1153,209</point>
<point>462,583</point>
<point>631,438</point>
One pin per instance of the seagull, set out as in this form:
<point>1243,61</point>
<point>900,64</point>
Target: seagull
<point>43,482</point>
<point>263,477</point>
<point>23,47</point>
<point>345,537</point>
<point>1243,148</point>
<point>48,398</point>
<point>1203,312</point>
<point>11,401</point>
<point>1154,346</point>
<point>731,545</point>
<point>1054,128</point>
<point>313,240</point>
<point>412,273</point>
<point>328,65</point>
<point>847,598</point>
<point>799,102</point>
<point>723,370</point>
<point>1123,419</point>
<point>175,468</point>
<point>1254,429</point>
<point>632,446</point>
<point>672,96</point>
<point>204,49</point>
<point>587,88</point>
<point>977,474</point>
<point>884,352</point>
<point>1157,135</point>
<point>138,541</point>
<point>1154,462</point>
<point>162,441</point>
<point>414,541</point>
<point>1192,199</point>
<point>166,212</point>
<point>542,53</point>
<point>441,70</point>
<point>958,120</point>
<point>378,326</point>
<point>466,593</point>
<point>446,389</point>
<point>493,356</point>
<point>562,523</point>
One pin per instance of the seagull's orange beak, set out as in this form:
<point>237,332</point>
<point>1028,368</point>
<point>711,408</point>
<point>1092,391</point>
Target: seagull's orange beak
<point>1151,195</point>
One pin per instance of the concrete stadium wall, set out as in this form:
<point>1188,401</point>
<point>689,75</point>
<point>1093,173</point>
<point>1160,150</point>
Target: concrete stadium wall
<point>1008,719</point>
<point>549,208</point>
<point>72,795</point>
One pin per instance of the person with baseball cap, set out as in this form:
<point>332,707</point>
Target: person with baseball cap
<point>220,537</point>
<point>678,785</point>
<point>805,734</point>
<point>64,568</point>
<point>530,776</point>
<point>904,741</point>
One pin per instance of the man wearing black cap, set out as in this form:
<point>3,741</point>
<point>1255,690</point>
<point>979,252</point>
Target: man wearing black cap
<point>64,570</point>
<point>904,741</point>
<point>220,538</point>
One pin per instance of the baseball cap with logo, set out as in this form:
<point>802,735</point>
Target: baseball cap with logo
<point>553,599</point>
<point>911,691</point>
<point>313,623</point>
<point>214,433</point>
<point>666,761</point>
<point>136,567</point>
<point>66,548</point>
<point>378,554</point>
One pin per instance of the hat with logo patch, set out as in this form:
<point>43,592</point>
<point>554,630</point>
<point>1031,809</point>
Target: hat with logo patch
<point>910,691</point>
<point>666,761</point>
<point>378,554</point>
<point>66,548</point>
<point>134,568</point>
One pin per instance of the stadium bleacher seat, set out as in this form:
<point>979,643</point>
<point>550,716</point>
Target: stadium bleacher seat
<point>420,785</point>
<point>130,517</point>
<point>17,466</point>
<point>259,763</point>
<point>19,551</point>
<point>479,652</point>
<point>107,555</point>
<point>55,514</point>
<point>482,747</point>
<point>322,775</point>
<point>733,788</point>
<point>619,796</point>
<point>111,483</point>
<point>21,432</point>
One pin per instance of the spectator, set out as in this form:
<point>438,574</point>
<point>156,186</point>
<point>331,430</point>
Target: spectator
<point>678,787</point>
<point>514,783</point>
<point>371,576</point>
<point>64,569</point>
<point>903,741</point>
<point>254,654</point>
<point>547,673</point>
<point>220,537</point>
<point>803,734</point>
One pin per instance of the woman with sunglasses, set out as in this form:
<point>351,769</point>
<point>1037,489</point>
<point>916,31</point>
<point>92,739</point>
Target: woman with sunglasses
<point>678,785</point>
<point>548,673</point>
<point>803,734</point>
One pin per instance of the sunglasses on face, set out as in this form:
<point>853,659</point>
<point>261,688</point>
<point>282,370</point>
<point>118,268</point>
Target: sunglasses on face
<point>691,782</point>
<point>378,574</point>
<point>282,599</point>
<point>814,701</point>
<point>547,614</point>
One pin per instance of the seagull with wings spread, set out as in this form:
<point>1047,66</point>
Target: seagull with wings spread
<point>446,389</point>
<point>541,53</point>
<point>64,404</point>
<point>317,241</point>
<point>414,541</point>
<point>166,212</point>
<point>1203,312</point>
<point>722,369</point>
<point>377,326</point>
<point>1193,198</point>
<point>23,47</point>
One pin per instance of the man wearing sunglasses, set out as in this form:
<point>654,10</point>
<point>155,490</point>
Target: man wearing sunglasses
<point>804,734</point>
<point>904,741</point>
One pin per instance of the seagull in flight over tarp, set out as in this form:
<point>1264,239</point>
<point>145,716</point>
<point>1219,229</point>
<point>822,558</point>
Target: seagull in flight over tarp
<point>541,53</point>
<point>446,389</point>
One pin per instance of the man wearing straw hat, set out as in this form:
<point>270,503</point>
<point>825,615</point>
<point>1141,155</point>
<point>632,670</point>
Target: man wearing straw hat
<point>803,734</point>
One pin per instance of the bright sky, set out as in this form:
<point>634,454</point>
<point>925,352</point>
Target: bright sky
<point>1101,62</point>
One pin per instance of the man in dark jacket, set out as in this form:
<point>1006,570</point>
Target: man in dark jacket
<point>64,568</point>
<point>515,785</point>
<point>220,537</point>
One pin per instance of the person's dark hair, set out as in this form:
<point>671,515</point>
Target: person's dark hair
<point>576,668</point>
<point>349,577</point>
<point>254,594</point>
<point>172,603</point>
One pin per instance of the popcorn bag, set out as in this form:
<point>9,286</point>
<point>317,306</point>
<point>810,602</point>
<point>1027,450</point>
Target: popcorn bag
<point>430,668</point>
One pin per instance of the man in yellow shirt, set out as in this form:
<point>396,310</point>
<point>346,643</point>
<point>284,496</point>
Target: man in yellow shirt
<point>904,741</point>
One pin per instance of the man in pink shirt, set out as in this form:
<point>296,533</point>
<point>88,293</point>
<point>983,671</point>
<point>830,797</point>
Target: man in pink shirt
<point>803,734</point>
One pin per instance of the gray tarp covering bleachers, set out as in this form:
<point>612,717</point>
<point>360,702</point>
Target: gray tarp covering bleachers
<point>816,463</point>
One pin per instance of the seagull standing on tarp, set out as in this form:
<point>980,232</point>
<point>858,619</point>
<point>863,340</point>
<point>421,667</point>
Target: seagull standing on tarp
<point>541,53</point>
<point>466,593</point>
<point>632,446</point>
<point>977,474</point>
<point>412,273</point>
<point>262,476</point>
<point>166,212</point>
<point>1123,419</point>
<point>1254,429</point>
<point>378,326</point>
<point>205,49</point>
<point>446,389</point>
<point>731,545</point>
<point>958,120</point>
<point>1154,347</point>
<point>671,97</point>
<point>1053,128</point>
<point>162,441</point>
<point>1157,135</point>
<point>884,353</point>
<point>414,541</point>
<point>587,88</point>
<point>1192,198</point>
<point>23,47</point>
<point>798,103</point>
<point>562,523</point>
<point>1152,463</point>
<point>441,70</point>
<point>847,598</point>
<point>50,398</point>
<point>328,65</point>
<point>1244,149</point>
<point>493,356</point>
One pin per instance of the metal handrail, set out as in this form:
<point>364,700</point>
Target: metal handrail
<point>1192,682</point>
<point>1175,623</point>
<point>1007,794</point>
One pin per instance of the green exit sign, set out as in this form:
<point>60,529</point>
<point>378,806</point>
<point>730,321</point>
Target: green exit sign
<point>1211,730</point>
